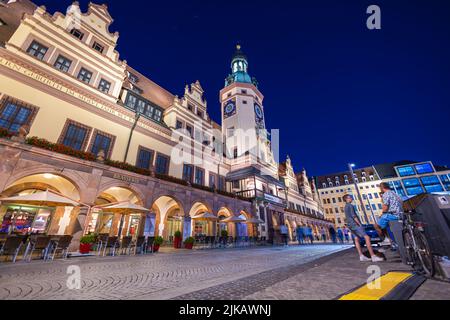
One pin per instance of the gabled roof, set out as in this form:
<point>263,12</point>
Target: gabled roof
<point>151,91</point>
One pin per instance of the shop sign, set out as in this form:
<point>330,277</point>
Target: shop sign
<point>62,88</point>
<point>273,199</point>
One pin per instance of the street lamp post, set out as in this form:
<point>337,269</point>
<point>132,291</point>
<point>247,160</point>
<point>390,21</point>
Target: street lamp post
<point>350,167</point>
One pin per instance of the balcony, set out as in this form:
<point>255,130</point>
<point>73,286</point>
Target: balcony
<point>259,194</point>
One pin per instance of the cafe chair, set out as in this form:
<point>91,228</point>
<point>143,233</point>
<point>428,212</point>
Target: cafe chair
<point>111,245</point>
<point>40,244</point>
<point>139,245</point>
<point>149,244</point>
<point>125,245</point>
<point>63,246</point>
<point>101,242</point>
<point>11,247</point>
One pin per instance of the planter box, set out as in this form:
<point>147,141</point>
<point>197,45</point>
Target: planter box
<point>189,246</point>
<point>156,247</point>
<point>85,248</point>
<point>177,243</point>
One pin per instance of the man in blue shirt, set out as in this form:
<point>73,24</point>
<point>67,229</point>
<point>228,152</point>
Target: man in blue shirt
<point>392,211</point>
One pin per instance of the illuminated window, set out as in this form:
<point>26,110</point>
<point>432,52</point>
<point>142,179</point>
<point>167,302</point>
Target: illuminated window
<point>406,171</point>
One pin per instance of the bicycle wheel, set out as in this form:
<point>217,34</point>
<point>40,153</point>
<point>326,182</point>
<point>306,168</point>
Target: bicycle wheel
<point>424,253</point>
<point>411,255</point>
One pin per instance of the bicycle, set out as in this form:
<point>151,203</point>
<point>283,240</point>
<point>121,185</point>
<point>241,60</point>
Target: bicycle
<point>418,252</point>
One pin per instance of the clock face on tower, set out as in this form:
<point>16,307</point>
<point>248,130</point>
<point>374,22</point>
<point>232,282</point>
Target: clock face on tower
<point>229,109</point>
<point>259,114</point>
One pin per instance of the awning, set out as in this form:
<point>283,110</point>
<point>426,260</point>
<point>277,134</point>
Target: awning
<point>253,172</point>
<point>41,199</point>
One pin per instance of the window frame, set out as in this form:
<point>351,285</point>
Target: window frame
<point>86,70</point>
<point>70,122</point>
<point>6,100</point>
<point>167,169</point>
<point>197,170</point>
<point>65,60</point>
<point>40,45</point>
<point>152,157</point>
<point>101,86</point>
<point>78,30</point>
<point>107,135</point>
<point>97,46</point>
<point>189,179</point>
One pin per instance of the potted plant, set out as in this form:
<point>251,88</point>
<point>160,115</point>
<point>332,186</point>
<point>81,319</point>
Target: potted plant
<point>178,239</point>
<point>86,243</point>
<point>157,244</point>
<point>189,243</point>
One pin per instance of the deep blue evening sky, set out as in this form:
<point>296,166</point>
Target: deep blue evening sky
<point>325,76</point>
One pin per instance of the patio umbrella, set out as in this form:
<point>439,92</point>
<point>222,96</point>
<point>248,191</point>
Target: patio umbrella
<point>124,209</point>
<point>205,217</point>
<point>233,219</point>
<point>41,199</point>
<point>255,221</point>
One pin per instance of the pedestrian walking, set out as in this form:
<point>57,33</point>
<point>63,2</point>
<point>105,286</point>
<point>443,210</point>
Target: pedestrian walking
<point>300,235</point>
<point>284,234</point>
<point>333,234</point>
<point>340,234</point>
<point>346,235</point>
<point>324,234</point>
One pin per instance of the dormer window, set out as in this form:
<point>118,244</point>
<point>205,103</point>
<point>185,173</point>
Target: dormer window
<point>138,90</point>
<point>98,47</point>
<point>200,113</point>
<point>77,34</point>
<point>133,78</point>
<point>190,107</point>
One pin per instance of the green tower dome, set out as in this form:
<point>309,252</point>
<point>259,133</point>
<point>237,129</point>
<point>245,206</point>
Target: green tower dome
<point>239,67</point>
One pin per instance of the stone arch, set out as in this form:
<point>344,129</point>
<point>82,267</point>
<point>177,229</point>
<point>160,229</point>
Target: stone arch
<point>104,222</point>
<point>199,207</point>
<point>38,174</point>
<point>225,212</point>
<point>54,221</point>
<point>198,227</point>
<point>169,215</point>
<point>104,187</point>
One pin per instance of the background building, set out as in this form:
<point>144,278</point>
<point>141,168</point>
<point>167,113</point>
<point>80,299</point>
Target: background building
<point>407,178</point>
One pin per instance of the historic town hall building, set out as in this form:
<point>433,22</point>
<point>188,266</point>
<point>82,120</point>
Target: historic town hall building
<point>78,120</point>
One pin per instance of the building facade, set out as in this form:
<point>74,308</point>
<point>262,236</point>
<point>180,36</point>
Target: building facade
<point>406,178</point>
<point>78,120</point>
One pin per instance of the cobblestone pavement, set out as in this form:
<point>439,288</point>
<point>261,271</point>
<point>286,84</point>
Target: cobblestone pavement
<point>160,276</point>
<point>335,277</point>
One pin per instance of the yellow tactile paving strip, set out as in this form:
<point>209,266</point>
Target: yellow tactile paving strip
<point>388,283</point>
